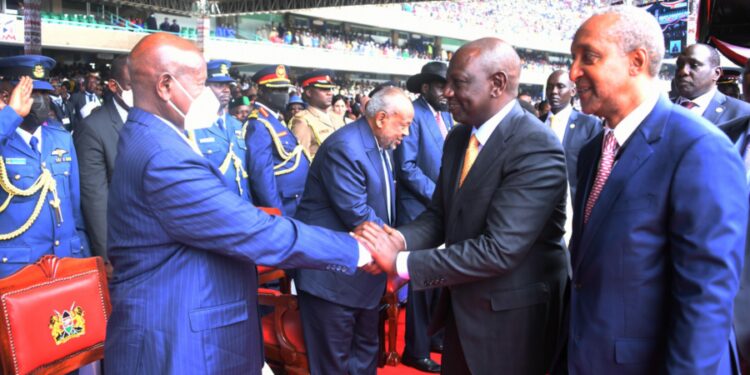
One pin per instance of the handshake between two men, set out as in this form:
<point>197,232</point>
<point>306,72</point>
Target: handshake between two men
<point>384,243</point>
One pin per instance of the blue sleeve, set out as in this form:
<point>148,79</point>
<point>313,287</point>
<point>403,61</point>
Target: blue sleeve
<point>346,186</point>
<point>407,172</point>
<point>75,198</point>
<point>706,259</point>
<point>196,209</point>
<point>9,121</point>
<point>260,166</point>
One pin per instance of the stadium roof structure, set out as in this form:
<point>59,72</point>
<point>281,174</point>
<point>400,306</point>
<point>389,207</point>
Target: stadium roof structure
<point>725,24</point>
<point>236,7</point>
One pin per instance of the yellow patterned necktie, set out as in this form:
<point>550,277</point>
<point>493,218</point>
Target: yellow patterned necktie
<point>471,155</point>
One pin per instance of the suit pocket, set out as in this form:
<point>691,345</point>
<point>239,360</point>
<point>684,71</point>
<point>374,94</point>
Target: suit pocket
<point>515,299</point>
<point>218,316</point>
<point>635,350</point>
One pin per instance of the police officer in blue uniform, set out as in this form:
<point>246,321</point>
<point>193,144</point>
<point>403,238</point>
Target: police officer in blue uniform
<point>222,142</point>
<point>40,211</point>
<point>276,160</point>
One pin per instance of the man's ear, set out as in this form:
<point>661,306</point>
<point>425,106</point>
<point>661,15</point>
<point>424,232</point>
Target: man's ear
<point>380,118</point>
<point>164,86</point>
<point>499,82</point>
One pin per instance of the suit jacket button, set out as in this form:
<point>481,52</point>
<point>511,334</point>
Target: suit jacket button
<point>57,243</point>
<point>5,259</point>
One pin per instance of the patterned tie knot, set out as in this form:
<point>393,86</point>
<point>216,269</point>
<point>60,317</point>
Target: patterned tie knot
<point>688,104</point>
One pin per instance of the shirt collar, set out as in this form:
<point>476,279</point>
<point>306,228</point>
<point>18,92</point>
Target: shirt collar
<point>182,135</point>
<point>121,111</point>
<point>630,123</point>
<point>702,101</point>
<point>484,132</point>
<point>563,114</point>
<point>26,136</point>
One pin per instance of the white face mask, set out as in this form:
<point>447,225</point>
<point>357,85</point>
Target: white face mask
<point>126,96</point>
<point>203,110</point>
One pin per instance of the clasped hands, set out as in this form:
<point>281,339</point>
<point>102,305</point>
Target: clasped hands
<point>383,243</point>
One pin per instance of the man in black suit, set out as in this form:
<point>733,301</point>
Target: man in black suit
<point>499,207</point>
<point>174,27</point>
<point>573,128</point>
<point>85,101</point>
<point>698,70</point>
<point>96,144</point>
<point>164,26</point>
<point>61,104</point>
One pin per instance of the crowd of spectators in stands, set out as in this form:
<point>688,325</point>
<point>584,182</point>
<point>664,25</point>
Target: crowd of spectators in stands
<point>369,45</point>
<point>506,17</point>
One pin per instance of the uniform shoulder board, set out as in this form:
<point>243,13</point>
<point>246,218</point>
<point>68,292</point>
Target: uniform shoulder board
<point>253,114</point>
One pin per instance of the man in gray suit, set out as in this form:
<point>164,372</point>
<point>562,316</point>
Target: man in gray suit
<point>96,144</point>
<point>499,207</point>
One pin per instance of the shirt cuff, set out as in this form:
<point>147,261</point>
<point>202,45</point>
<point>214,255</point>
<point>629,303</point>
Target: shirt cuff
<point>406,247</point>
<point>402,266</point>
<point>364,256</point>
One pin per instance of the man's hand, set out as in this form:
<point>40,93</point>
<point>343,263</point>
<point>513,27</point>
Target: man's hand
<point>383,247</point>
<point>20,99</point>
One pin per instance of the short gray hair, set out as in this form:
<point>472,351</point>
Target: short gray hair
<point>382,101</point>
<point>636,28</point>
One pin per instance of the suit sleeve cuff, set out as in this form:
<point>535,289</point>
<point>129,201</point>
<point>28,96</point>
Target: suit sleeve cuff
<point>402,265</point>
<point>364,256</point>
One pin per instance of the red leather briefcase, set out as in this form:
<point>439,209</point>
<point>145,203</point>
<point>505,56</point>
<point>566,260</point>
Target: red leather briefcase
<point>54,315</point>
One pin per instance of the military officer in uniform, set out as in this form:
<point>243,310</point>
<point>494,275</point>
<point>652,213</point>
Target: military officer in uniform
<point>276,162</point>
<point>41,212</point>
<point>313,125</point>
<point>222,142</point>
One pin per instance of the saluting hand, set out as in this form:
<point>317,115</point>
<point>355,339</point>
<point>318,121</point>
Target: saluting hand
<point>20,99</point>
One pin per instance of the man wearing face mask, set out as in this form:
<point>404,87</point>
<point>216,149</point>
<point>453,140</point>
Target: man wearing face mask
<point>38,168</point>
<point>183,245</point>
<point>221,140</point>
<point>276,162</point>
<point>96,144</point>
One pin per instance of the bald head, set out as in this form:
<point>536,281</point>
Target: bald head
<point>483,77</point>
<point>161,62</point>
<point>389,113</point>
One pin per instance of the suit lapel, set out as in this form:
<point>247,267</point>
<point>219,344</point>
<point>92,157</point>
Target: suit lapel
<point>637,150</point>
<point>373,153</point>
<point>570,130</point>
<point>590,153</point>
<point>715,108</point>
<point>430,121</point>
<point>114,115</point>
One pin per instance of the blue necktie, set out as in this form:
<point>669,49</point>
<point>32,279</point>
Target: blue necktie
<point>220,122</point>
<point>34,143</point>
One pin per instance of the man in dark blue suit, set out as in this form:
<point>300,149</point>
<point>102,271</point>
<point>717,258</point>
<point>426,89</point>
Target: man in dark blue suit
<point>573,128</point>
<point>660,216</point>
<point>183,245</point>
<point>698,70</point>
<point>417,168</point>
<point>351,182</point>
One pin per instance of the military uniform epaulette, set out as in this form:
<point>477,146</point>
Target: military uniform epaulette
<point>253,115</point>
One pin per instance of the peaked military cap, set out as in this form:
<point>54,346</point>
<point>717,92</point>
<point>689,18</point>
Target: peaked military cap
<point>322,79</point>
<point>272,76</point>
<point>218,71</point>
<point>35,66</point>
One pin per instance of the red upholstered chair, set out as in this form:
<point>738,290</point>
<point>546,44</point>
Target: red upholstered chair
<point>283,342</point>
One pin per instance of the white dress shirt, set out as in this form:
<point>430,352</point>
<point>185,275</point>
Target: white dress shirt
<point>483,134</point>
<point>630,123</point>
<point>701,102</point>
<point>561,121</point>
<point>27,137</point>
<point>121,111</point>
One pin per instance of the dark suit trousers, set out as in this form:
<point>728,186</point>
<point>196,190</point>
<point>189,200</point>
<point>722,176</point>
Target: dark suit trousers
<point>339,339</point>
<point>419,309</point>
<point>453,359</point>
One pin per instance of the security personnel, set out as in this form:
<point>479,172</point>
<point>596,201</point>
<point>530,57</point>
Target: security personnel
<point>313,125</point>
<point>41,212</point>
<point>222,142</point>
<point>276,162</point>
